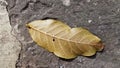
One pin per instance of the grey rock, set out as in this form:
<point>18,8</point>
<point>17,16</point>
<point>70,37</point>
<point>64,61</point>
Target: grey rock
<point>101,17</point>
<point>9,45</point>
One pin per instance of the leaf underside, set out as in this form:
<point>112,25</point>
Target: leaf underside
<point>63,41</point>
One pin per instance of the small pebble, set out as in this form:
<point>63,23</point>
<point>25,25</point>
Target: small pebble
<point>89,21</point>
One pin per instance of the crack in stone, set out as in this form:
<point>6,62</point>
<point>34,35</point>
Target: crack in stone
<point>13,5</point>
<point>20,53</point>
<point>9,48</point>
<point>21,46</point>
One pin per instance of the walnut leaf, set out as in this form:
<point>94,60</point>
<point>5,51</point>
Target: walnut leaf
<point>62,40</point>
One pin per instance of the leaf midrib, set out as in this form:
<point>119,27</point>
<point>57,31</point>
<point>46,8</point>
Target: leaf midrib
<point>60,38</point>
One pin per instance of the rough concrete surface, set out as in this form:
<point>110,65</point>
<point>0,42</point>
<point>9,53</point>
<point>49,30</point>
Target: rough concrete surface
<point>9,46</point>
<point>101,17</point>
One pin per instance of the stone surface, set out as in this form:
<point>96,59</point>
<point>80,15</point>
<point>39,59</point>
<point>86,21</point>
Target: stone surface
<point>9,46</point>
<point>102,17</point>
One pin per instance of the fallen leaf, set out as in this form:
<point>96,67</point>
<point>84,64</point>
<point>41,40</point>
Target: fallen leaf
<point>62,40</point>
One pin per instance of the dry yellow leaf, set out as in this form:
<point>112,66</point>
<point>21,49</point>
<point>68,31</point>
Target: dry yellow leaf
<point>63,41</point>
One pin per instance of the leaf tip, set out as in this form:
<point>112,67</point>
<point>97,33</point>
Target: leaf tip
<point>99,46</point>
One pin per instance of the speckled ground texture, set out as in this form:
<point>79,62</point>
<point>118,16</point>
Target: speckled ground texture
<point>101,17</point>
